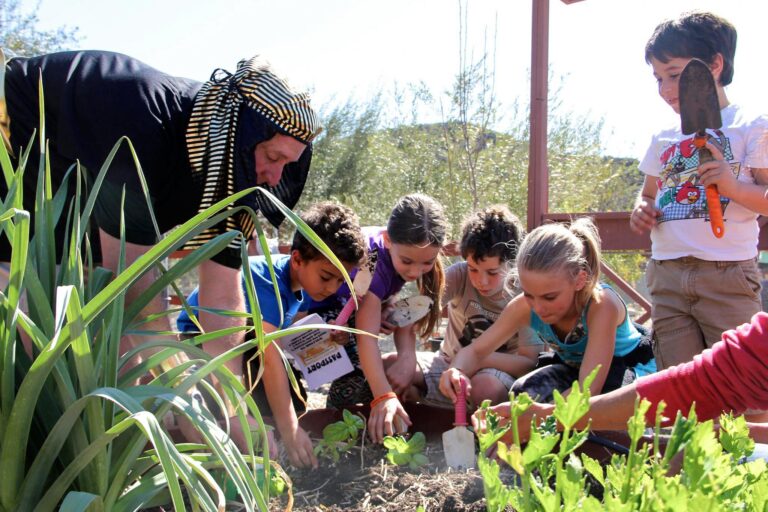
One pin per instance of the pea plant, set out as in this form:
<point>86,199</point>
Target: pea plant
<point>406,452</point>
<point>552,477</point>
<point>340,437</point>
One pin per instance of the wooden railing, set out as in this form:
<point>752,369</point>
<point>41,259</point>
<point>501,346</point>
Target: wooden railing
<point>451,249</point>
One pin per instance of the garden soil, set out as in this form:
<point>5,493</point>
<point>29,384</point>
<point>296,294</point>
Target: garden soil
<point>364,481</point>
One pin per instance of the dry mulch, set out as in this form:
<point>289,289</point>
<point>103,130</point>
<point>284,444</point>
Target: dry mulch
<point>364,481</point>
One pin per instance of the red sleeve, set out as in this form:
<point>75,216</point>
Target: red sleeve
<point>731,376</point>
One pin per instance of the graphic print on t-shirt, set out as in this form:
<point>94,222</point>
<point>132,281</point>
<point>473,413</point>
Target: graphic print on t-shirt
<point>681,195</point>
<point>473,328</point>
<point>478,319</point>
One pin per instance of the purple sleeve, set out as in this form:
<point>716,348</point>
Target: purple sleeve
<point>383,282</point>
<point>731,376</point>
<point>386,282</point>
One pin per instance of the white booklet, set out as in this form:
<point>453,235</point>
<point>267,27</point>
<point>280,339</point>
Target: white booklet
<point>314,354</point>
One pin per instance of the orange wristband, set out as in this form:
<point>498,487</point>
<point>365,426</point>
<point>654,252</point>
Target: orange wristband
<point>386,396</point>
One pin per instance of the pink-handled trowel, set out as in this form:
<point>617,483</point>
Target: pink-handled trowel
<point>360,285</point>
<point>459,442</point>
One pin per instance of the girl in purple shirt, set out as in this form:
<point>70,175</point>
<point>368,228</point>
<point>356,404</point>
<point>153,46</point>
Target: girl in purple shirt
<point>407,250</point>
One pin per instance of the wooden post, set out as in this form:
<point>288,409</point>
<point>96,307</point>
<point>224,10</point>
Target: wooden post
<point>538,172</point>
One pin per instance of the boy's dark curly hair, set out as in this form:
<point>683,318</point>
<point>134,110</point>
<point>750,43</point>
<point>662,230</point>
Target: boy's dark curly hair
<point>336,225</point>
<point>493,231</point>
<point>700,35</point>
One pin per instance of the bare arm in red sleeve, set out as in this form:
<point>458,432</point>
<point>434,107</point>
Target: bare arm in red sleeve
<point>731,376</point>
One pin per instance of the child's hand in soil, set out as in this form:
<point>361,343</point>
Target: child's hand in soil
<point>298,447</point>
<point>387,419</point>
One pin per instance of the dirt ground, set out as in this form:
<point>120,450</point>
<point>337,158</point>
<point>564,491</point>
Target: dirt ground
<point>364,481</point>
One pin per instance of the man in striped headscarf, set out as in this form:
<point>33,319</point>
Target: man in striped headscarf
<point>197,144</point>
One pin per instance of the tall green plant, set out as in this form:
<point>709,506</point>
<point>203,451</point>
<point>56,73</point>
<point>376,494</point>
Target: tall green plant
<point>73,431</point>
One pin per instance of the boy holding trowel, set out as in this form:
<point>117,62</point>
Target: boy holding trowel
<point>701,284</point>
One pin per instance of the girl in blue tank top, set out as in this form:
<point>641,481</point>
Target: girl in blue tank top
<point>585,323</point>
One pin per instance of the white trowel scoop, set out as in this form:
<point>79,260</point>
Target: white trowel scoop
<point>459,442</point>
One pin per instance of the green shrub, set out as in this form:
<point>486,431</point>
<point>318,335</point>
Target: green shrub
<point>553,477</point>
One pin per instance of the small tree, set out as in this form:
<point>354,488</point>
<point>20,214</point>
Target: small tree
<point>473,106</point>
<point>374,152</point>
<point>21,35</point>
<point>338,167</point>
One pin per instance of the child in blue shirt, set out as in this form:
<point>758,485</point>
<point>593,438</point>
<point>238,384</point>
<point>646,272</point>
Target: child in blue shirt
<point>292,302</point>
<point>303,275</point>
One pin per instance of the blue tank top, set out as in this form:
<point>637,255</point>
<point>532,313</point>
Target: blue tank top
<point>572,348</point>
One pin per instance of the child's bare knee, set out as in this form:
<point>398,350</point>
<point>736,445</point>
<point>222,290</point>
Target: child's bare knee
<point>487,387</point>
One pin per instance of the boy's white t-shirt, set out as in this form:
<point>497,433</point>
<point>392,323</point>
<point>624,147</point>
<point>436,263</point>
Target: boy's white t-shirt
<point>684,228</point>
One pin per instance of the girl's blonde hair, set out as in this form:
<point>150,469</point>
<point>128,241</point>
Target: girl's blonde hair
<point>555,247</point>
<point>419,220</point>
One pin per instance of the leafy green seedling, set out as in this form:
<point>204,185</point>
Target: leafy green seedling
<point>277,484</point>
<point>339,437</point>
<point>551,478</point>
<point>734,436</point>
<point>406,452</point>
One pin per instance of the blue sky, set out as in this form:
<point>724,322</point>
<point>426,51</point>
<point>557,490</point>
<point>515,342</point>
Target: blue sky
<point>345,48</point>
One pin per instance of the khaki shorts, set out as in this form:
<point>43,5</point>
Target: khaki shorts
<point>694,301</point>
<point>432,366</point>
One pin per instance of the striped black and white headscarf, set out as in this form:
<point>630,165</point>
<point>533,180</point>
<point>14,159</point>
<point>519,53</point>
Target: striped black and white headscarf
<point>231,115</point>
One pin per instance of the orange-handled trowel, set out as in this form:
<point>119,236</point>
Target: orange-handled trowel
<point>699,110</point>
<point>459,442</point>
